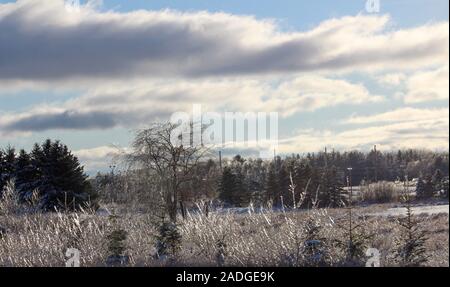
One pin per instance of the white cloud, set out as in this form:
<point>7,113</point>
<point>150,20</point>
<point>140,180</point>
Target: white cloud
<point>429,134</point>
<point>98,158</point>
<point>401,115</point>
<point>137,103</point>
<point>400,128</point>
<point>393,79</point>
<point>99,45</point>
<point>428,86</point>
<point>309,93</point>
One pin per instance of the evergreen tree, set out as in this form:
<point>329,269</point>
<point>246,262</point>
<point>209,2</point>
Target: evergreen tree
<point>314,187</point>
<point>306,178</point>
<point>168,241</point>
<point>234,189</point>
<point>424,188</point>
<point>410,250</point>
<point>116,244</point>
<point>315,247</point>
<point>272,187</point>
<point>283,182</point>
<point>438,181</point>
<point>58,177</point>
<point>336,192</point>
<point>445,187</point>
<point>420,188</point>
<point>254,184</point>
<point>2,172</point>
<point>242,195</point>
<point>301,178</point>
<point>25,173</point>
<point>331,191</point>
<point>7,166</point>
<point>228,187</point>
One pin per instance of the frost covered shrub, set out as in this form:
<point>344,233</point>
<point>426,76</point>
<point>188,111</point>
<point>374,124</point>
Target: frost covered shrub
<point>9,201</point>
<point>380,192</point>
<point>168,241</point>
<point>116,244</point>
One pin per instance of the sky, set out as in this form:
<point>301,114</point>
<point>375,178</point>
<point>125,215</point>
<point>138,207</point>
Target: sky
<point>340,74</point>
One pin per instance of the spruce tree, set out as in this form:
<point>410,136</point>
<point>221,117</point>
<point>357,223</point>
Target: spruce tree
<point>116,244</point>
<point>168,241</point>
<point>354,240</point>
<point>253,190</point>
<point>314,187</point>
<point>272,187</point>
<point>336,190</point>
<point>2,172</point>
<point>25,174</point>
<point>429,187</point>
<point>410,251</point>
<point>315,247</point>
<point>438,181</point>
<point>58,177</point>
<point>283,182</point>
<point>228,187</point>
<point>302,180</point>
<point>7,166</point>
<point>445,187</point>
<point>242,196</point>
<point>424,188</point>
<point>420,188</point>
<point>331,191</point>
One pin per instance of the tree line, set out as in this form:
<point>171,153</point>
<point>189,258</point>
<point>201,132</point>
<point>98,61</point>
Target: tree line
<point>320,178</point>
<point>172,176</point>
<point>181,175</point>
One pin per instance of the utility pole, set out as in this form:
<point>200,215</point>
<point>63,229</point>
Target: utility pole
<point>220,160</point>
<point>275,163</point>
<point>376,162</point>
<point>349,184</point>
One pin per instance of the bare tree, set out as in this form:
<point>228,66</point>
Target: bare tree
<point>160,149</point>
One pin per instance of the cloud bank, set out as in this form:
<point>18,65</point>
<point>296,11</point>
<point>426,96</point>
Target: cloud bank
<point>44,41</point>
<point>103,107</point>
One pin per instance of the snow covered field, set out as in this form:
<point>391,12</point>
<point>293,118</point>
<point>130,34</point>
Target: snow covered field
<point>401,211</point>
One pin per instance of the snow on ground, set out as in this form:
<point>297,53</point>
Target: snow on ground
<point>394,212</point>
<point>401,211</point>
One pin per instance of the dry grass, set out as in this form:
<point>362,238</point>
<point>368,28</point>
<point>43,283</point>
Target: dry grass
<point>380,192</point>
<point>254,239</point>
<point>268,239</point>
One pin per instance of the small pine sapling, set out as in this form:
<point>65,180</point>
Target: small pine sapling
<point>355,239</point>
<point>116,244</point>
<point>168,241</point>
<point>314,247</point>
<point>410,251</point>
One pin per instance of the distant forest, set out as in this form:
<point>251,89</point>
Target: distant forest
<point>240,181</point>
<point>51,171</point>
<point>325,174</point>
